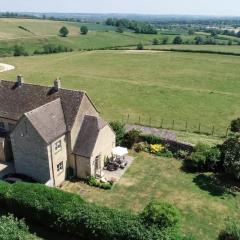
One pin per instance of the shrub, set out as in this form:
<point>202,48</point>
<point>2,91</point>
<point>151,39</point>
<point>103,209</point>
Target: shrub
<point>230,156</point>
<point>181,154</point>
<point>131,137</point>
<point>235,125</point>
<point>19,51</point>
<point>66,212</point>
<point>92,181</point>
<point>162,214</point>
<point>119,130</point>
<point>14,229</point>
<point>155,41</point>
<point>140,46</point>
<point>151,139</point>
<point>52,48</point>
<point>204,158</point>
<point>231,232</point>
<point>139,147</point>
<point>166,153</point>
<point>156,148</point>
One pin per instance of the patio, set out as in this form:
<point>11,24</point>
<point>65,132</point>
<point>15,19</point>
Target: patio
<point>116,175</point>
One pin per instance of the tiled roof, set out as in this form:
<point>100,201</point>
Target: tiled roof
<point>16,100</point>
<point>48,120</point>
<point>88,135</point>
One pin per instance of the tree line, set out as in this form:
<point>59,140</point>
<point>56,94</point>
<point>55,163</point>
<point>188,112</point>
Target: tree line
<point>136,26</point>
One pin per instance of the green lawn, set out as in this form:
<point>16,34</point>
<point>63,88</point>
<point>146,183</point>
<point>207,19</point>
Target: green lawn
<point>199,88</point>
<point>203,206</point>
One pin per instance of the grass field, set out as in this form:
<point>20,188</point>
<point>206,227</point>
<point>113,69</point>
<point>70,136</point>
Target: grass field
<point>199,88</point>
<point>203,205</point>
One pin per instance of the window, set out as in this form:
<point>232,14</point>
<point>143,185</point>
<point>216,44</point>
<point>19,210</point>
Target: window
<point>58,146</point>
<point>2,125</point>
<point>60,167</point>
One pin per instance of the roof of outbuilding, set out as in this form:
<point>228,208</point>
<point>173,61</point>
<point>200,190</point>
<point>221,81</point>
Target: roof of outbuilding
<point>48,120</point>
<point>16,100</point>
<point>88,135</point>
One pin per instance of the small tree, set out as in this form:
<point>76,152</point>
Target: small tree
<point>162,214</point>
<point>177,40</point>
<point>63,32</point>
<point>119,30</point>
<point>131,137</point>
<point>235,125</point>
<point>140,46</point>
<point>230,156</point>
<point>84,30</point>
<point>155,41</point>
<point>165,40</point>
<point>119,130</point>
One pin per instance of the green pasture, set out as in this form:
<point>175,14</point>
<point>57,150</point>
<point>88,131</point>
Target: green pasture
<point>192,87</point>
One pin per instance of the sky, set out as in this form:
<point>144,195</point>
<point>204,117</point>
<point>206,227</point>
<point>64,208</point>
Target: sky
<point>181,7</point>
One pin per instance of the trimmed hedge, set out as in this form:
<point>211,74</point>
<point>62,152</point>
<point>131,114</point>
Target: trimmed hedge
<point>67,212</point>
<point>14,229</point>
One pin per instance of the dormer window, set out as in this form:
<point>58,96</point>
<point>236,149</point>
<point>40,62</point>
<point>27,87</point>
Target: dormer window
<point>58,146</point>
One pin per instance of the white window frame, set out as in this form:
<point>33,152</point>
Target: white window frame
<point>60,167</point>
<point>58,146</point>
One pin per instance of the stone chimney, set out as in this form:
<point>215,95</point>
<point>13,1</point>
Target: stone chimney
<point>57,84</point>
<point>20,80</point>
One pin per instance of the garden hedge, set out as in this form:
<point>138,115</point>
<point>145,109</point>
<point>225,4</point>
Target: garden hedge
<point>14,229</point>
<point>67,212</point>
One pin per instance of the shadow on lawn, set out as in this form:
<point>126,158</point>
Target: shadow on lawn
<point>217,184</point>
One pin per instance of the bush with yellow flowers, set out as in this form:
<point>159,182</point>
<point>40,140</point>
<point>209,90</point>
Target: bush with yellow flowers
<point>156,148</point>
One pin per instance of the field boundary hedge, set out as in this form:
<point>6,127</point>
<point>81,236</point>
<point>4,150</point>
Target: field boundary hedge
<point>195,51</point>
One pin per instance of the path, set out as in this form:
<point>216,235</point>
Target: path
<point>6,67</point>
<point>164,134</point>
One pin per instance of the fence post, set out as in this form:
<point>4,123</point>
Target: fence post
<point>139,120</point>
<point>227,132</point>
<point>128,118</point>
<point>161,123</point>
<point>199,128</point>
<point>186,126</point>
<point>213,128</point>
<point>173,122</point>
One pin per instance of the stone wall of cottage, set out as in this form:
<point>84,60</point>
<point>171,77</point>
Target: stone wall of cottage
<point>106,141</point>
<point>56,157</point>
<point>82,167</point>
<point>30,152</point>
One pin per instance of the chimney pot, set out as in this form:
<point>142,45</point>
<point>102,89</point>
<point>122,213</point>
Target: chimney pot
<point>57,84</point>
<point>20,80</point>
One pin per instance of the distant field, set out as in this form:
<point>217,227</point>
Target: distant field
<point>199,88</point>
<point>9,28</point>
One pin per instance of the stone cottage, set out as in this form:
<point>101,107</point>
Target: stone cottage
<point>52,132</point>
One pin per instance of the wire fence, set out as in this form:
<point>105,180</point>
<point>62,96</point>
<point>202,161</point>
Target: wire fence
<point>177,125</point>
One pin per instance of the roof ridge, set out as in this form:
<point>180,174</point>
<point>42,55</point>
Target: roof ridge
<point>38,85</point>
